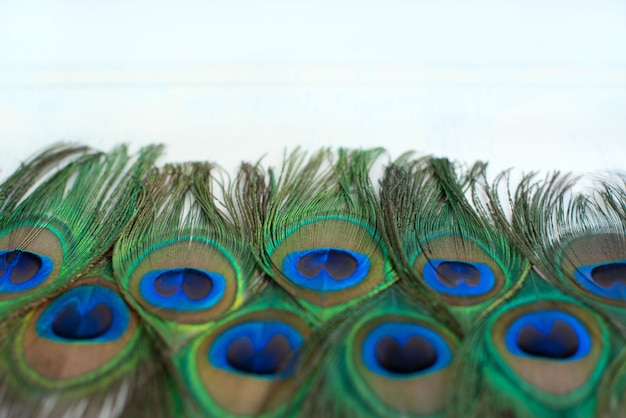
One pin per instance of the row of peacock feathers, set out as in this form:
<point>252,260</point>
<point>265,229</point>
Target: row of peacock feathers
<point>128,290</point>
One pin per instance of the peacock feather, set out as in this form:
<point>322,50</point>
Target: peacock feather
<point>441,244</point>
<point>183,263</point>
<point>132,290</point>
<point>50,235</point>
<point>34,170</point>
<point>251,351</point>
<point>575,238</point>
<point>387,356</point>
<point>541,353</point>
<point>83,353</point>
<point>315,227</point>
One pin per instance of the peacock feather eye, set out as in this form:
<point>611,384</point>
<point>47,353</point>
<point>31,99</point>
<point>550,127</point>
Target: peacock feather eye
<point>329,269</point>
<point>540,353</point>
<point>185,262</point>
<point>459,278</point>
<point>22,270</point>
<point>81,348</point>
<point>316,227</point>
<point>395,349</point>
<point>185,288</point>
<point>549,334</point>
<point>31,259</point>
<point>461,270</point>
<point>595,266</point>
<point>443,242</point>
<point>609,277</point>
<point>190,281</point>
<point>259,348</point>
<point>89,325</point>
<point>330,262</point>
<point>50,234</point>
<point>554,346</point>
<point>251,352</point>
<point>400,357</point>
<point>85,313</point>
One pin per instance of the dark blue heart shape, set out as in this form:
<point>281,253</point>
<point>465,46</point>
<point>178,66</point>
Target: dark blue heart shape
<point>559,342</point>
<point>71,324</point>
<point>244,356</point>
<point>451,273</point>
<point>194,283</point>
<point>607,275</point>
<point>338,264</point>
<point>417,354</point>
<point>19,266</point>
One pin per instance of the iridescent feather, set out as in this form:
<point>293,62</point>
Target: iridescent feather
<point>50,235</point>
<point>386,356</point>
<point>84,353</point>
<point>129,290</point>
<point>575,238</point>
<point>316,229</point>
<point>441,245</point>
<point>540,354</point>
<point>183,263</point>
<point>244,364</point>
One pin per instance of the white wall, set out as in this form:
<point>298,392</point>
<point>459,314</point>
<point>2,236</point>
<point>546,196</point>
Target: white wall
<point>531,84</point>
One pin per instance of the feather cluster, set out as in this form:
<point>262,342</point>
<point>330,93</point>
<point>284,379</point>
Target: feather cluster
<point>129,289</point>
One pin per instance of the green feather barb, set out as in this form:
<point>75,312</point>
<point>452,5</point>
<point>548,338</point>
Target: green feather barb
<point>316,229</point>
<point>184,262</point>
<point>50,235</point>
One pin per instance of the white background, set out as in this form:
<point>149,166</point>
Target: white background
<point>529,84</point>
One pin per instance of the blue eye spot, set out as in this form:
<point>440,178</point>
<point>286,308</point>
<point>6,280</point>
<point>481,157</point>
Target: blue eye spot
<point>397,349</point>
<point>604,279</point>
<point>85,313</point>
<point>183,289</point>
<point>329,269</point>
<point>72,324</point>
<point>261,348</point>
<point>548,334</point>
<point>458,278</point>
<point>23,270</point>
